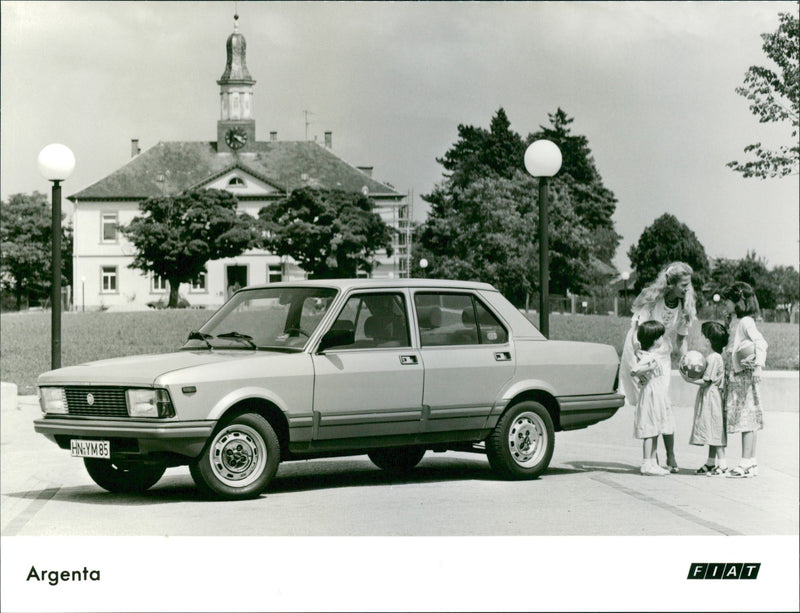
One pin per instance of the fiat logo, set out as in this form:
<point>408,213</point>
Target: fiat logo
<point>89,399</point>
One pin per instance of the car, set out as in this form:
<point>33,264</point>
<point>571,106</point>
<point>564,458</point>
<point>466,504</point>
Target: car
<point>290,371</point>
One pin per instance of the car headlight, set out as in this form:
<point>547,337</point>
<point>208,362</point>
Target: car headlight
<point>149,403</point>
<point>52,400</point>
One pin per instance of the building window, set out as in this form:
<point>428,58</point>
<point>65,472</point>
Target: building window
<point>275,273</point>
<point>109,280</point>
<point>109,227</point>
<point>160,284</point>
<point>199,284</point>
<point>236,182</point>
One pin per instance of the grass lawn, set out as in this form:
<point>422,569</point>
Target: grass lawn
<point>25,338</point>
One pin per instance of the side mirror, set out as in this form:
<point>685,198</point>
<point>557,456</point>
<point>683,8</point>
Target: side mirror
<point>336,338</point>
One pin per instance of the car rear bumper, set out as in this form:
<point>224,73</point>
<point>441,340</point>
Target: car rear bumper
<point>183,438</point>
<point>582,411</point>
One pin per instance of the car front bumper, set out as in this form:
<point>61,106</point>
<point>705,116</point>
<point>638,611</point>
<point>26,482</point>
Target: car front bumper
<point>182,438</point>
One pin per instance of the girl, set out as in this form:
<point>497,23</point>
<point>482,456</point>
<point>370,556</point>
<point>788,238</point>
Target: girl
<point>653,414</point>
<point>669,299</point>
<point>709,413</point>
<point>748,356</point>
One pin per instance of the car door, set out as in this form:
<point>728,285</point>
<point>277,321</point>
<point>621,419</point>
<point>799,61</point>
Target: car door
<point>373,385</point>
<point>467,357</point>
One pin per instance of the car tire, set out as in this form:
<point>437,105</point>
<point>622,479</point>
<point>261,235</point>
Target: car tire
<point>521,445</point>
<point>129,478</point>
<point>239,460</point>
<point>396,459</point>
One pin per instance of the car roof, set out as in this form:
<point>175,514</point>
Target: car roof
<point>345,284</point>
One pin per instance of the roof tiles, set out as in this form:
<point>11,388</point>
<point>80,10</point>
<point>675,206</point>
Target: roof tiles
<point>171,167</point>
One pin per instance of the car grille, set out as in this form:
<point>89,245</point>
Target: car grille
<point>106,401</point>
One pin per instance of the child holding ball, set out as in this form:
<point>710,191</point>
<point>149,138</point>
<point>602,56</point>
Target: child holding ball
<point>748,356</point>
<point>709,414</point>
<point>653,416</point>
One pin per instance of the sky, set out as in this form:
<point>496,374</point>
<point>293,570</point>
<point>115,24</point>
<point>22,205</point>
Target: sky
<point>651,85</point>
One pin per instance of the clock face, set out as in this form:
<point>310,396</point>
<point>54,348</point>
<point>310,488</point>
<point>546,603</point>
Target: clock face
<point>236,138</point>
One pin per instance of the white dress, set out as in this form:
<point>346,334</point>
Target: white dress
<point>653,415</point>
<point>674,324</point>
<point>708,427</point>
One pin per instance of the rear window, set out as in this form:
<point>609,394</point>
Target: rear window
<point>456,319</point>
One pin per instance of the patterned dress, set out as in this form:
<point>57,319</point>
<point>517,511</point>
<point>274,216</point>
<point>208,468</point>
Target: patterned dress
<point>743,400</point>
<point>653,415</point>
<point>708,427</point>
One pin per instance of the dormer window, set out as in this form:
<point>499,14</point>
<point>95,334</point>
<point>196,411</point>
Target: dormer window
<point>236,182</point>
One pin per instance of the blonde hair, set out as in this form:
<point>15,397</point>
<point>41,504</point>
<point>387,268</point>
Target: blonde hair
<point>669,275</point>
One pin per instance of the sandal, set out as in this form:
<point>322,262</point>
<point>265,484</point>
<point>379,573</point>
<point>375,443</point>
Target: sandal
<point>704,469</point>
<point>743,472</point>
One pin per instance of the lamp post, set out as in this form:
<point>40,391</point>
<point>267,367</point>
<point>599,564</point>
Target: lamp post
<point>543,160</point>
<point>716,302</point>
<point>423,264</point>
<point>625,276</point>
<point>83,294</point>
<point>56,163</point>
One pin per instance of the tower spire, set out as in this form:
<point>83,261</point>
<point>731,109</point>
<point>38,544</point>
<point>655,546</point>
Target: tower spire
<point>236,123</point>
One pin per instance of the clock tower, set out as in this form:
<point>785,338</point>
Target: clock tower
<point>236,128</point>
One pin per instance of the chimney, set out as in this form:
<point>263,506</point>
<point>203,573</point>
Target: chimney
<point>273,136</point>
<point>329,140</point>
<point>135,147</point>
<point>367,170</point>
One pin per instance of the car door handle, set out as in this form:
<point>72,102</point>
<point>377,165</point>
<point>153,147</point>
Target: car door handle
<point>502,356</point>
<point>407,360</point>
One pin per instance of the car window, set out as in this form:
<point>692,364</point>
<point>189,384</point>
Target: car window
<point>456,319</point>
<point>490,330</point>
<point>376,319</point>
<point>274,318</point>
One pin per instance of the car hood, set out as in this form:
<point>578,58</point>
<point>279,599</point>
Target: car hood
<point>138,369</point>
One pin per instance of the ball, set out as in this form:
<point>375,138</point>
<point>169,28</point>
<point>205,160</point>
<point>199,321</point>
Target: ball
<point>745,349</point>
<point>692,365</point>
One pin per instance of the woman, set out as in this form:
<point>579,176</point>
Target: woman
<point>669,300</point>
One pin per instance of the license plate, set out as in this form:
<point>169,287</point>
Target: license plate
<point>90,449</point>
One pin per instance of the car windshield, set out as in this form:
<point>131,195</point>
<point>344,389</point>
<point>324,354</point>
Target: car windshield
<point>280,318</point>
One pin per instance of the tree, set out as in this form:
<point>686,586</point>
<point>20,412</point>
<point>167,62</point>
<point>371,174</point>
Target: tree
<point>498,151</point>
<point>330,233</point>
<point>594,203</point>
<point>26,239</point>
<point>667,240</point>
<point>494,237</point>
<point>723,274</point>
<point>775,289</point>
<point>774,97</point>
<point>786,281</point>
<point>177,235</point>
<point>484,176</point>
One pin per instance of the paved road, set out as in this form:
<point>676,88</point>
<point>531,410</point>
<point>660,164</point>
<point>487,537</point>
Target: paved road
<point>592,488</point>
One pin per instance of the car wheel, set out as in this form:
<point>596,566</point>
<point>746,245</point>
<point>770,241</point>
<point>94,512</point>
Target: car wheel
<point>129,478</point>
<point>521,445</point>
<point>239,460</point>
<point>396,459</point>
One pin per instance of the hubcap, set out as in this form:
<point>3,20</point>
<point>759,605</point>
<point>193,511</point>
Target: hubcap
<point>238,455</point>
<point>527,439</point>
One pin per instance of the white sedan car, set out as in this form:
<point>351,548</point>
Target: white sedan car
<point>292,371</point>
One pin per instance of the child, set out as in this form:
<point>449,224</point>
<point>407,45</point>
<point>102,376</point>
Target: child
<point>709,418</point>
<point>743,399</point>
<point>653,414</point>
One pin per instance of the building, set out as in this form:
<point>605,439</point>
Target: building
<point>256,171</point>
